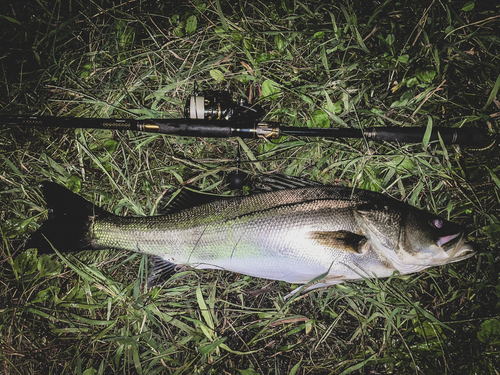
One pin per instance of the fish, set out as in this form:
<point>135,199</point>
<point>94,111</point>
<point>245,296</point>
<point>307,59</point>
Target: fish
<point>313,235</point>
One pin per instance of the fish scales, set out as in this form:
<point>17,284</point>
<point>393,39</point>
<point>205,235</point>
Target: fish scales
<point>265,235</point>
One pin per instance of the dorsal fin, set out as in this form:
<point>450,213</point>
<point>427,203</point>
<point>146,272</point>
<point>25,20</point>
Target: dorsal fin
<point>278,181</point>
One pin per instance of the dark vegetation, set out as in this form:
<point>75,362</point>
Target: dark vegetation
<point>341,64</point>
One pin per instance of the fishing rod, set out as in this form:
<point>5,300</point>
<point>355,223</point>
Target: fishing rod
<point>212,113</point>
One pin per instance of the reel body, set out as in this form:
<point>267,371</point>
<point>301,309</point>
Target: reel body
<point>219,105</point>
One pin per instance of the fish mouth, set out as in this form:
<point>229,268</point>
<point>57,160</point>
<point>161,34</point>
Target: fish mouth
<point>455,247</point>
<point>449,242</point>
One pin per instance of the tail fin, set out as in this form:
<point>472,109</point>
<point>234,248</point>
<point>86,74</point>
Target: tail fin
<point>67,228</point>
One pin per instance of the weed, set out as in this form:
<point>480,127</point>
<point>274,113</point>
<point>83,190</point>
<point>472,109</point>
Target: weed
<point>340,64</point>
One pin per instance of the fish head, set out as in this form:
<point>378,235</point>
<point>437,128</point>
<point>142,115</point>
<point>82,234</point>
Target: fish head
<point>412,239</point>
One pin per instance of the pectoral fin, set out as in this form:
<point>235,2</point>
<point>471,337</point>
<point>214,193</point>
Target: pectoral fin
<point>343,240</point>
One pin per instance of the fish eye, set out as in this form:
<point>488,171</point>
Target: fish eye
<point>437,223</point>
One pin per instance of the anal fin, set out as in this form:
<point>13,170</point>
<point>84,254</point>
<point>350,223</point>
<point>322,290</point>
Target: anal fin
<point>161,270</point>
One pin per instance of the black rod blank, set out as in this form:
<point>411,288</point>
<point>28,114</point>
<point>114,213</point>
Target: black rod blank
<point>268,130</point>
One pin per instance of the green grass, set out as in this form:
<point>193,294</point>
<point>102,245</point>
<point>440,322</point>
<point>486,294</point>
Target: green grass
<point>343,64</point>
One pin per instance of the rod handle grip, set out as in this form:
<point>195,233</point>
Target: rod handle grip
<point>462,136</point>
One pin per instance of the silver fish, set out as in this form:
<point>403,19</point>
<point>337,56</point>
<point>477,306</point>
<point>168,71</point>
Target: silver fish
<point>295,235</point>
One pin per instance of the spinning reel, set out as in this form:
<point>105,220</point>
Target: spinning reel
<point>218,105</point>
